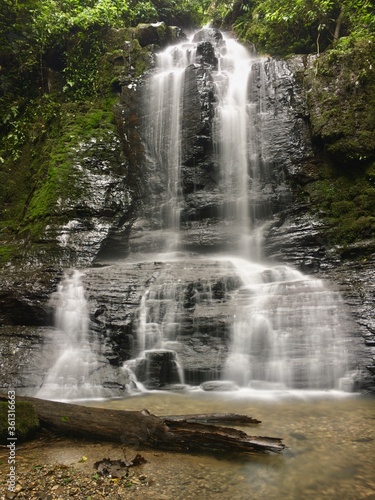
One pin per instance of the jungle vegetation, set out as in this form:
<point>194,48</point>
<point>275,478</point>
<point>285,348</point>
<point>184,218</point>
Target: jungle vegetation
<point>64,39</point>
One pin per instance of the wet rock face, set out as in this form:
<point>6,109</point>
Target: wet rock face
<point>212,35</point>
<point>23,364</point>
<point>157,369</point>
<point>158,34</point>
<point>206,54</point>
<point>104,208</point>
<point>198,169</point>
<point>134,306</point>
<point>24,296</point>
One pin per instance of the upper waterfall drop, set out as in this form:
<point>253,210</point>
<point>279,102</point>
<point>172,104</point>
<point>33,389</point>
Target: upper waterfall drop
<point>224,67</point>
<point>163,133</point>
<point>232,132</point>
<point>209,100</point>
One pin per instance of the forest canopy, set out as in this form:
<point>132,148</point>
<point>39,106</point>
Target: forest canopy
<point>66,36</point>
<point>281,27</point>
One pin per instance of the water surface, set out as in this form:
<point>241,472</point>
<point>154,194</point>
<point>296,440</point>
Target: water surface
<point>329,437</point>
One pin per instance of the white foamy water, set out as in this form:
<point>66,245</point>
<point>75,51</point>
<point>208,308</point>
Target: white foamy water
<point>73,374</point>
<point>162,132</point>
<point>288,331</point>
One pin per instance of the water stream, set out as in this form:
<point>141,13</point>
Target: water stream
<point>286,327</point>
<point>329,455</point>
<point>274,341</point>
<point>74,372</point>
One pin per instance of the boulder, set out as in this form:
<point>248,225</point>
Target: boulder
<point>154,33</point>
<point>157,369</point>
<point>211,35</point>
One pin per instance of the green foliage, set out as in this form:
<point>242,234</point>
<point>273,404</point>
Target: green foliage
<point>25,121</point>
<point>183,13</point>
<point>81,67</point>
<point>341,100</point>
<point>281,28</point>
<point>346,203</point>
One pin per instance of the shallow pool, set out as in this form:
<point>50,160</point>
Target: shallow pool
<point>330,450</point>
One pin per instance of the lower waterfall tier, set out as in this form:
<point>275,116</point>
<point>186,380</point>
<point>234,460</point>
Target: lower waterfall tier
<point>186,320</point>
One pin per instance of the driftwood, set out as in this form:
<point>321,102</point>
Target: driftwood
<point>141,428</point>
<point>223,418</point>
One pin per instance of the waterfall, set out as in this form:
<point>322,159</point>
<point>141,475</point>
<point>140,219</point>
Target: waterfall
<point>205,316</point>
<point>232,136</point>
<point>286,333</point>
<point>158,327</point>
<point>163,133</point>
<point>74,373</point>
<point>285,326</point>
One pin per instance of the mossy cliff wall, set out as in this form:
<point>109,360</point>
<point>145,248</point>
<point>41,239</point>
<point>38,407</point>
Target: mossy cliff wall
<point>340,90</point>
<point>69,161</point>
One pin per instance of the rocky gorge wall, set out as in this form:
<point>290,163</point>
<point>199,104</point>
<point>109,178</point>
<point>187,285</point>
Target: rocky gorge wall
<point>107,210</point>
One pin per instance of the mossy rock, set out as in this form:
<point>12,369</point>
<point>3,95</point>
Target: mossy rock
<point>152,34</point>
<point>26,421</point>
<point>115,39</point>
<point>345,199</point>
<point>341,100</point>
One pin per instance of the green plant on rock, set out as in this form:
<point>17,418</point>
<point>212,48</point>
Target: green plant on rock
<point>346,203</point>
<point>341,100</point>
<point>81,69</point>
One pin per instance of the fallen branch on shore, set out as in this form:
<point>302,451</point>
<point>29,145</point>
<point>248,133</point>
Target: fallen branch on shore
<point>184,433</point>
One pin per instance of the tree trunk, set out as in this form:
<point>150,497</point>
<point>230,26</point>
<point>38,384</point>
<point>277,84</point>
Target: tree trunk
<point>339,21</point>
<point>141,428</point>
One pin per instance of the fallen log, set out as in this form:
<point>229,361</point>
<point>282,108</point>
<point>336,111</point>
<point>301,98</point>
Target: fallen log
<point>141,428</point>
<point>224,418</point>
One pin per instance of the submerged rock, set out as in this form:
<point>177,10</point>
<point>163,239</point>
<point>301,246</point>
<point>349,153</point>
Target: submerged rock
<point>157,369</point>
<point>219,385</point>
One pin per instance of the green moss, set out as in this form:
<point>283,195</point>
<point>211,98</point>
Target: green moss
<point>45,183</point>
<point>45,140</point>
<point>346,203</point>
<point>341,101</point>
<point>6,253</point>
<point>140,57</point>
<point>57,181</point>
<point>26,421</point>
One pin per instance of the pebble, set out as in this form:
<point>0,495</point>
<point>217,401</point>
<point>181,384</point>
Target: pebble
<point>62,483</point>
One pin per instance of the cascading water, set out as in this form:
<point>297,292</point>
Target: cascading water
<point>232,136</point>
<point>227,316</point>
<point>285,329</point>
<point>158,364</point>
<point>163,133</point>
<point>74,374</point>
